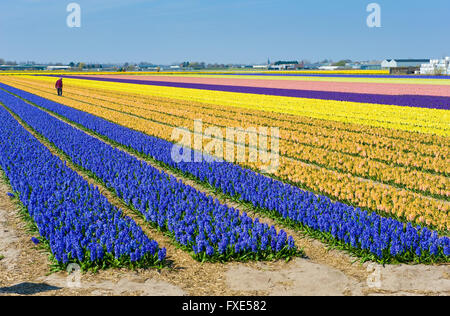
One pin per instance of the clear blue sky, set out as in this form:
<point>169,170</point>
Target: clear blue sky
<point>225,31</point>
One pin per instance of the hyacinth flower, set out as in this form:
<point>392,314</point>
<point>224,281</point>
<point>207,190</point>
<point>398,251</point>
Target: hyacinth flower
<point>77,223</point>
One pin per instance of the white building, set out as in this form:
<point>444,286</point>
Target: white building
<point>396,63</point>
<point>286,65</point>
<point>330,67</point>
<point>58,67</point>
<point>436,67</point>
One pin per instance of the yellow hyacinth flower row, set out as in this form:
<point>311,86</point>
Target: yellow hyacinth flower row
<point>422,182</point>
<point>399,147</point>
<point>373,145</point>
<point>418,81</point>
<point>362,166</point>
<point>431,121</point>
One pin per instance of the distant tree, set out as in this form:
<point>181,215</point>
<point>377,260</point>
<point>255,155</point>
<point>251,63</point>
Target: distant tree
<point>131,68</point>
<point>81,66</point>
<point>11,63</point>
<point>2,61</point>
<point>340,63</point>
<point>72,64</point>
<point>439,71</point>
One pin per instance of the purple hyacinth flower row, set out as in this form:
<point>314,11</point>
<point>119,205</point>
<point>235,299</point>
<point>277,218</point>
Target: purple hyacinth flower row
<point>76,221</point>
<point>333,75</point>
<point>420,101</point>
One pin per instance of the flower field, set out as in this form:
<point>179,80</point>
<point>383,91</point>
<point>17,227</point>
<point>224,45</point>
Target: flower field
<point>422,101</point>
<point>363,170</point>
<point>284,83</point>
<point>77,222</point>
<point>384,116</point>
<point>194,220</point>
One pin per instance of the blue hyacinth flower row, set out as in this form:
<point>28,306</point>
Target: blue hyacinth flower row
<point>384,238</point>
<point>72,217</point>
<point>198,222</point>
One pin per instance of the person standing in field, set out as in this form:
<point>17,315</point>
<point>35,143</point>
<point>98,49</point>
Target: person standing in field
<point>59,86</point>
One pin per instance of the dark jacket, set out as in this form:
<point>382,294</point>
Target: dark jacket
<point>59,84</point>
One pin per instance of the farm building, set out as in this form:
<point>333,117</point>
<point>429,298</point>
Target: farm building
<point>400,63</point>
<point>371,67</point>
<point>330,68</point>
<point>22,67</point>
<point>436,66</point>
<point>58,67</point>
<point>286,65</point>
